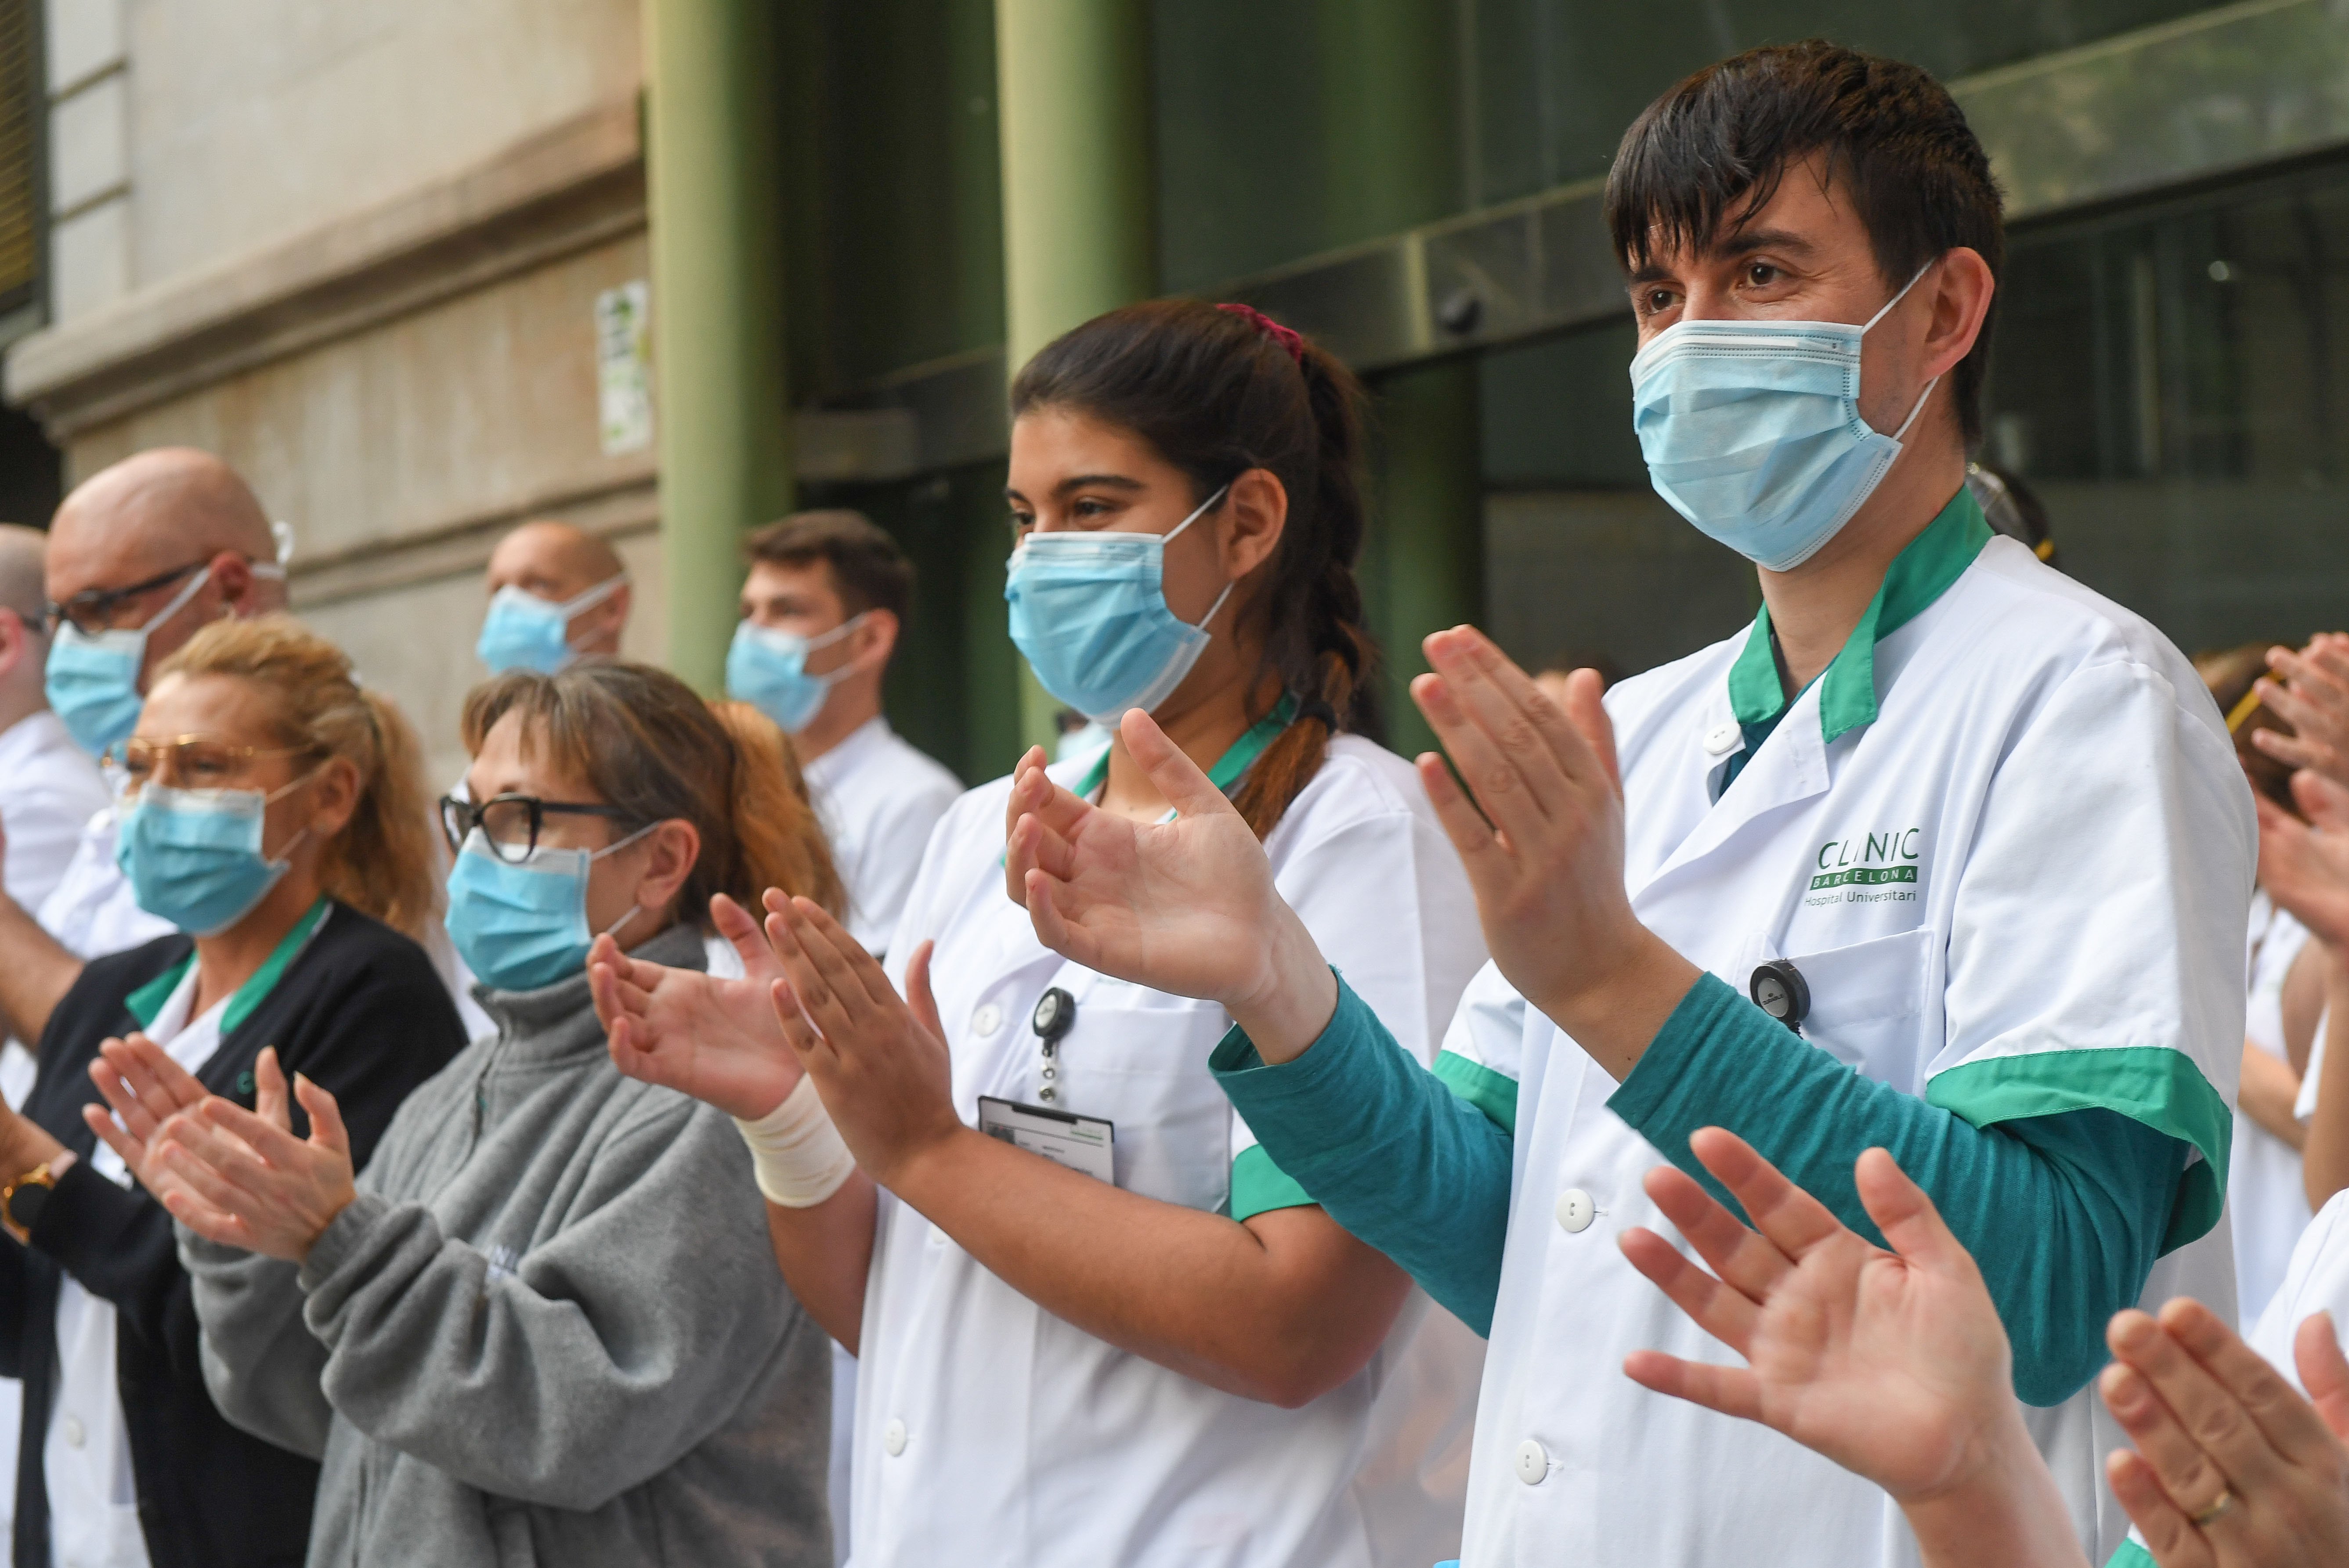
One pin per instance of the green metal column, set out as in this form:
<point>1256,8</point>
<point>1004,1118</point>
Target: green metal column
<point>1074,102</point>
<point>1427,570</point>
<point>712,168</point>
<point>1391,126</point>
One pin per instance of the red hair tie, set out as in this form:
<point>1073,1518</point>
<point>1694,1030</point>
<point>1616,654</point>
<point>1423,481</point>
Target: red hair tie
<point>1288,337</point>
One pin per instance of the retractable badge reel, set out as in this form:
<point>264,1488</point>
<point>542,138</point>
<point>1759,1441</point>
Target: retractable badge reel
<point>1779,989</point>
<point>1055,1015</point>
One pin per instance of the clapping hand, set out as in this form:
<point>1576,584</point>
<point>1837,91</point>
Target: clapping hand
<point>714,1039</point>
<point>1540,830</point>
<point>2304,866</point>
<point>2310,691</point>
<point>143,1088</point>
<point>881,1063</point>
<point>240,1178</point>
<point>1892,1364</point>
<point>2232,1468</point>
<point>1187,907</point>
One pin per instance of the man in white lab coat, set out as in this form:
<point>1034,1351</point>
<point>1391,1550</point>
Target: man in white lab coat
<point>49,788</point>
<point>825,603</point>
<point>1944,853</point>
<point>138,557</point>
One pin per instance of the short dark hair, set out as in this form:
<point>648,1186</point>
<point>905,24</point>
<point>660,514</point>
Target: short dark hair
<point>868,569</point>
<point>1717,145</point>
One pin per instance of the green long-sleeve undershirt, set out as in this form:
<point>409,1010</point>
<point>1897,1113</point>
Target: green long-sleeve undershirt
<point>2065,1213</point>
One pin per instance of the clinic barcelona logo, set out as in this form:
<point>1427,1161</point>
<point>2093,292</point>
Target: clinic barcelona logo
<point>1873,859</point>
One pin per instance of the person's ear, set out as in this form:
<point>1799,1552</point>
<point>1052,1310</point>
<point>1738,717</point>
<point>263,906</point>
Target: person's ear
<point>1256,514</point>
<point>1962,287</point>
<point>876,638</point>
<point>334,797</point>
<point>232,580</point>
<point>17,642</point>
<point>671,851</point>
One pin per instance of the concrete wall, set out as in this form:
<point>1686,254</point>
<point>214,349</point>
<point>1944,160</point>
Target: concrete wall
<point>355,249</point>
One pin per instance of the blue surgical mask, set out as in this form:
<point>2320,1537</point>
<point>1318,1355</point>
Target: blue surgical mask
<point>92,678</point>
<point>520,925</point>
<point>523,631</point>
<point>768,669</point>
<point>194,857</point>
<point>1088,614</point>
<point>1751,429</point>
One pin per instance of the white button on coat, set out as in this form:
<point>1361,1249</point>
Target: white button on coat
<point>892,1436</point>
<point>1533,1462</point>
<point>1722,739</point>
<point>72,1432</point>
<point>986,1020</point>
<point>1574,1210</point>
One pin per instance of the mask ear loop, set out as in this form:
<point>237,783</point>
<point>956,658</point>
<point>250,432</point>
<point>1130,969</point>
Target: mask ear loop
<point>1205,506</point>
<point>634,909</point>
<point>284,857</point>
<point>1880,316</point>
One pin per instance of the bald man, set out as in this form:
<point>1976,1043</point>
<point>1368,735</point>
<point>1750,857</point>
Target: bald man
<point>556,593</point>
<point>49,788</point>
<point>138,557</point>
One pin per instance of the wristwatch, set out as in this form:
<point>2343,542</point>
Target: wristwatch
<point>22,1201</point>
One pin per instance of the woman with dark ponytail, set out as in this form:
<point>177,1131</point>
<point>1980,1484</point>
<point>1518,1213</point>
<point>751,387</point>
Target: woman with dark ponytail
<point>1095,1322</point>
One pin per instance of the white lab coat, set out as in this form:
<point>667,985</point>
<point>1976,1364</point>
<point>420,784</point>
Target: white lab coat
<point>989,1432</point>
<point>2083,840</point>
<point>93,911</point>
<point>2267,1203</point>
<point>878,799</point>
<point>49,788</point>
<point>2317,1280</point>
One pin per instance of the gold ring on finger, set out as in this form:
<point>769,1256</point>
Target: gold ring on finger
<point>2221,1507</point>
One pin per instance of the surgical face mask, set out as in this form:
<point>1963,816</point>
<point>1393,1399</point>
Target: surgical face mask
<point>92,678</point>
<point>194,857</point>
<point>1088,614</point>
<point>1751,429</point>
<point>524,632</point>
<point>768,669</point>
<point>520,925</point>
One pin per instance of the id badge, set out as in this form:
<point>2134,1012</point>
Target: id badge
<point>1085,1143</point>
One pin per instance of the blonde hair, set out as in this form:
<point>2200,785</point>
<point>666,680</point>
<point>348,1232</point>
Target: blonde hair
<point>383,862</point>
<point>647,744</point>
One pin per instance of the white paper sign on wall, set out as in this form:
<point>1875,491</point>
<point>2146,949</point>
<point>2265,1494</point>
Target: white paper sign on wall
<point>623,373</point>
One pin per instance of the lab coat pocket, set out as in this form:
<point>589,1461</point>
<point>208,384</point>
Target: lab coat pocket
<point>1140,1059</point>
<point>1869,1004</point>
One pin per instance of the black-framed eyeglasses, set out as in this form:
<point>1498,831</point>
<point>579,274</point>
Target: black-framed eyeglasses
<point>510,824</point>
<point>92,610</point>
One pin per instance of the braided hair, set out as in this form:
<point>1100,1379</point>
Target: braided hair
<point>1217,390</point>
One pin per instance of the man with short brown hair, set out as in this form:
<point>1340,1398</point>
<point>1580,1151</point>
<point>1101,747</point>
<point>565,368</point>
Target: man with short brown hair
<point>828,595</point>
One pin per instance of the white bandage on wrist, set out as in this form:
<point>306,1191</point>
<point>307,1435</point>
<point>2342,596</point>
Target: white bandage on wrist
<point>796,1150</point>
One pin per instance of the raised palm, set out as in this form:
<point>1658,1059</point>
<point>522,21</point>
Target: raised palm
<point>715,1040</point>
<point>1893,1363</point>
<point>1185,907</point>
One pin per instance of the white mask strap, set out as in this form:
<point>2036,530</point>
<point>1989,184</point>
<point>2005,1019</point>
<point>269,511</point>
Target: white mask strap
<point>1168,537</point>
<point>624,844</point>
<point>1896,299</point>
<point>1919,408</point>
<point>1201,625</point>
<point>592,596</point>
<point>179,600</point>
<point>822,639</point>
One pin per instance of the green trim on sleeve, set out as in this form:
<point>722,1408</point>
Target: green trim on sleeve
<point>2132,1555</point>
<point>2151,1084</point>
<point>1494,1094</point>
<point>1258,1185</point>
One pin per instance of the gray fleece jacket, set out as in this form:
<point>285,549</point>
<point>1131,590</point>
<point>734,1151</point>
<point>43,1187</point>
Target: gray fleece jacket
<point>550,1330</point>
